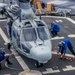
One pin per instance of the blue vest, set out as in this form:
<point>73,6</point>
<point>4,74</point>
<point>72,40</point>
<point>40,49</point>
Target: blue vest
<point>55,27</point>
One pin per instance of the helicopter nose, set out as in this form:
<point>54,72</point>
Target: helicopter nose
<point>42,54</point>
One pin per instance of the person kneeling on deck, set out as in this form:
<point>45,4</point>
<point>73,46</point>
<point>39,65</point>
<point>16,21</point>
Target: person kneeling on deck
<point>4,57</point>
<point>62,48</point>
<point>54,29</point>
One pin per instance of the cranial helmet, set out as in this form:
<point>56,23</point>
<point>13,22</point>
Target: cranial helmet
<point>52,22</point>
<point>61,43</point>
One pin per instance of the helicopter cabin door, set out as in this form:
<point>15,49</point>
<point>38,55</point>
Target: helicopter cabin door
<point>16,39</point>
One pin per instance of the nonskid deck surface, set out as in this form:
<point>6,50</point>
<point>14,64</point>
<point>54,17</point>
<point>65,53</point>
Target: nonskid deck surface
<point>55,66</point>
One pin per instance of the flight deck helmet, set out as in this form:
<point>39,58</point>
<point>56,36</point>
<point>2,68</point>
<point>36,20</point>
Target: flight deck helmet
<point>61,44</point>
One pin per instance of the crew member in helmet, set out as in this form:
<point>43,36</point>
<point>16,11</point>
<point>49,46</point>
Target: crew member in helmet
<point>55,28</point>
<point>62,48</point>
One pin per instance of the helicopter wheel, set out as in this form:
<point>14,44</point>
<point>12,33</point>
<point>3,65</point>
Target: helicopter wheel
<point>9,46</point>
<point>38,64</point>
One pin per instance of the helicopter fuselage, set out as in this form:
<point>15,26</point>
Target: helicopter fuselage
<point>29,35</point>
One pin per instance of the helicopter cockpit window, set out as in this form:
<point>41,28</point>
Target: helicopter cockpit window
<point>27,24</point>
<point>42,32</point>
<point>29,34</point>
<point>39,23</point>
<point>24,1</point>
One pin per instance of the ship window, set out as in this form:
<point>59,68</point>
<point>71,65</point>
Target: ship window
<point>29,34</point>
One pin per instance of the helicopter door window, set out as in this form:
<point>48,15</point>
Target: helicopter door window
<point>42,33</point>
<point>18,40</point>
<point>26,49</point>
<point>18,43</point>
<point>29,34</point>
<point>14,34</point>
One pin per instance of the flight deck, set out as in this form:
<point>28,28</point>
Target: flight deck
<point>55,66</point>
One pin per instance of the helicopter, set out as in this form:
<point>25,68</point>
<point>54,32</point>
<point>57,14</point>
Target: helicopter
<point>28,34</point>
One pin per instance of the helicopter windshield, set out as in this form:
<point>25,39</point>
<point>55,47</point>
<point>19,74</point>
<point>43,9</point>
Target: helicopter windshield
<point>24,1</point>
<point>29,34</point>
<point>42,32</point>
